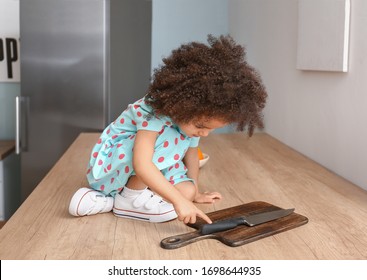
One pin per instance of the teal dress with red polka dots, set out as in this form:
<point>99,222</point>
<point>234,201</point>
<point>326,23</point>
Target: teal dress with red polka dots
<point>110,164</point>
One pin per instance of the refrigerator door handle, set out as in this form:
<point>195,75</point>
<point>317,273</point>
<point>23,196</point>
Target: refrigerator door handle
<point>17,124</point>
<point>21,123</point>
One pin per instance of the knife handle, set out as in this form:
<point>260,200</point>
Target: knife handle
<point>180,240</point>
<point>221,225</point>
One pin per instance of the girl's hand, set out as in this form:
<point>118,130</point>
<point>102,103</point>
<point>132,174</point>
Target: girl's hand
<point>207,197</point>
<point>187,212</point>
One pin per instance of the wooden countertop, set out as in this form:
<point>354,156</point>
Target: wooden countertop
<point>243,169</point>
<point>6,148</point>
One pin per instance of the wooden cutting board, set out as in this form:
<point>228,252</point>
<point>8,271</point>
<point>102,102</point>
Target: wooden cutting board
<point>242,234</point>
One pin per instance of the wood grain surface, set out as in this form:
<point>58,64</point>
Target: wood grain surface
<point>243,169</point>
<point>241,234</point>
<point>6,148</point>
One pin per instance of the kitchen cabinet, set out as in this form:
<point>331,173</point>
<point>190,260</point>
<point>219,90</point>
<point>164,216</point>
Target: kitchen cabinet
<point>9,180</point>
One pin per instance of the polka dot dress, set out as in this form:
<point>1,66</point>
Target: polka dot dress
<point>110,164</point>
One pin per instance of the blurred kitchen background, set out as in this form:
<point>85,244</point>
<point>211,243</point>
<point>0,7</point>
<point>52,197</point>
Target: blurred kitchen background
<point>320,114</point>
<point>81,63</point>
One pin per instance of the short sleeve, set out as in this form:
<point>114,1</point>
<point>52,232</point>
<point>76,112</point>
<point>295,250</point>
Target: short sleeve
<point>194,142</point>
<point>144,118</point>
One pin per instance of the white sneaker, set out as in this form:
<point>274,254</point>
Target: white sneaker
<point>146,207</point>
<point>87,201</point>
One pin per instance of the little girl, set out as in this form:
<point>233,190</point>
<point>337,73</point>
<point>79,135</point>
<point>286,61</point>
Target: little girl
<point>145,164</point>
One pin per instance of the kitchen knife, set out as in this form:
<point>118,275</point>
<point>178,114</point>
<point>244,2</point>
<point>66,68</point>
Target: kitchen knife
<point>251,220</point>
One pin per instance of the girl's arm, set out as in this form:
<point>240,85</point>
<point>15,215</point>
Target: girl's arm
<point>152,177</point>
<point>191,161</point>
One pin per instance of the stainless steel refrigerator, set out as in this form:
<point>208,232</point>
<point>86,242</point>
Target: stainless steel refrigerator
<point>82,63</point>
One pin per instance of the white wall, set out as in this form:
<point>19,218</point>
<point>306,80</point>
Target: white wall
<point>321,114</point>
<point>9,87</point>
<point>181,21</point>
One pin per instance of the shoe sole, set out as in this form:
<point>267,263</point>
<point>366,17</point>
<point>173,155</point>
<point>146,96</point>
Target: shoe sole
<point>75,201</point>
<point>153,218</point>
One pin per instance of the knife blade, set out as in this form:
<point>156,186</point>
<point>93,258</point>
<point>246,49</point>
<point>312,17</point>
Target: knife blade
<point>251,220</point>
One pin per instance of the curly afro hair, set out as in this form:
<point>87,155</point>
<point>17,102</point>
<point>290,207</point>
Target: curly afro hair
<point>199,81</point>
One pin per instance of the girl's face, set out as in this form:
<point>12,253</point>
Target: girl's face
<point>201,127</point>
